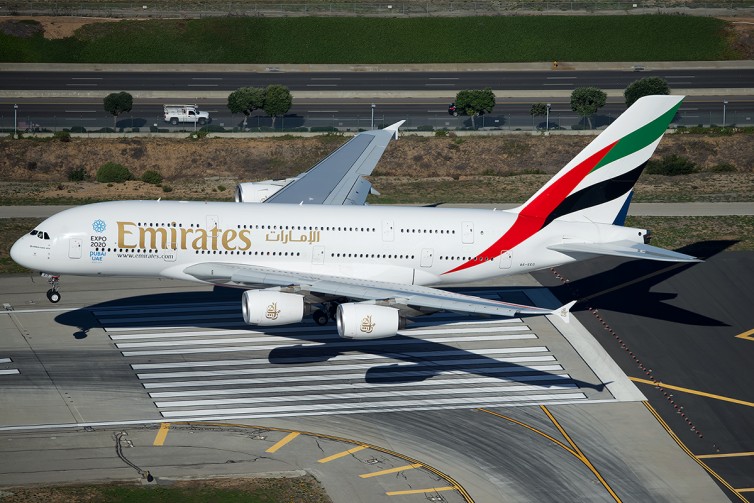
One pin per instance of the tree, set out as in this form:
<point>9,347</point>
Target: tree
<point>645,87</point>
<point>475,102</point>
<point>538,109</point>
<point>117,103</point>
<point>277,101</point>
<point>585,101</point>
<point>245,100</point>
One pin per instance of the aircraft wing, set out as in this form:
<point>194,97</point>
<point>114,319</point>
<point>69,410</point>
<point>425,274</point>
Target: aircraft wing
<point>339,178</point>
<point>394,294</point>
<point>627,249</point>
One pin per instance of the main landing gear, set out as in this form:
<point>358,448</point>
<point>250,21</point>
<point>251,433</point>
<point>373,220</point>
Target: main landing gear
<point>52,294</point>
<point>323,316</point>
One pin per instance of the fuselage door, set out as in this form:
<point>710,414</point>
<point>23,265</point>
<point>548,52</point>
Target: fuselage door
<point>506,259</point>
<point>318,255</point>
<point>74,248</point>
<point>388,230</point>
<point>467,232</point>
<point>427,255</point>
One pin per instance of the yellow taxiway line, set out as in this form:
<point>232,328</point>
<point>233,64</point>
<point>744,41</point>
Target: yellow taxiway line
<point>390,470</point>
<point>342,454</point>
<point>283,441</point>
<point>729,455</point>
<point>419,491</point>
<point>692,391</point>
<point>162,434</point>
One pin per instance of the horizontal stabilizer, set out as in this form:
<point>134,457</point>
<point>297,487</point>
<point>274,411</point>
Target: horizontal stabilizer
<point>627,249</point>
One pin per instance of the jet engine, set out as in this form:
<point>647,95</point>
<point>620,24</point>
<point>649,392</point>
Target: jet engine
<point>367,321</point>
<point>258,192</point>
<point>268,308</point>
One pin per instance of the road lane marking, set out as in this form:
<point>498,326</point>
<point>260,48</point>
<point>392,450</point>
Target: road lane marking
<point>692,391</point>
<point>691,454</point>
<point>283,441</point>
<point>343,454</point>
<point>9,372</point>
<point>162,434</point>
<point>747,335</point>
<point>728,455</point>
<point>390,470</point>
<point>420,491</point>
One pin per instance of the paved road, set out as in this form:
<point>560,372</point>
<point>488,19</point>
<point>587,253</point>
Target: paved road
<point>367,81</point>
<point>510,113</point>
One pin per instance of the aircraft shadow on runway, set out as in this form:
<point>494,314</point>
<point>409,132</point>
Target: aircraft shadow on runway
<point>627,286</point>
<point>421,366</point>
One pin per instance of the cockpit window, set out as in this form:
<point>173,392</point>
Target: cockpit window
<point>39,234</point>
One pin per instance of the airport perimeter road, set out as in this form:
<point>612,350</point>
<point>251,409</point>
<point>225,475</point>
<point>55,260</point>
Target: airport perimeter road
<point>200,80</point>
<point>684,334</point>
<point>488,410</point>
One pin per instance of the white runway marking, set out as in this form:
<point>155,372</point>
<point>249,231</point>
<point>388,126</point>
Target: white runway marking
<point>441,362</point>
<point>9,372</point>
<point>496,370</point>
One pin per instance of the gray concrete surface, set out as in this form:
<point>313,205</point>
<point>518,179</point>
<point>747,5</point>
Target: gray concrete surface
<point>72,370</point>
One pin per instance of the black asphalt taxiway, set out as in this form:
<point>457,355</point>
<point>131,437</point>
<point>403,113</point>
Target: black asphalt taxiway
<point>683,333</point>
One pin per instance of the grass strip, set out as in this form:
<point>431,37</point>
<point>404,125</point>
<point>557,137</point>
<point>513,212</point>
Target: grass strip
<point>321,40</point>
<point>275,490</point>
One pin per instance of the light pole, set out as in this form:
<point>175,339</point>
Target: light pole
<point>547,120</point>
<point>15,122</point>
<point>725,103</point>
<point>373,106</point>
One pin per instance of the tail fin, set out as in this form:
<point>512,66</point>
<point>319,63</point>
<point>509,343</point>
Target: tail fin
<point>598,183</point>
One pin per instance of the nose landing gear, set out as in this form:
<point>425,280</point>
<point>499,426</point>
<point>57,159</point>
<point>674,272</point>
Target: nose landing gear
<point>52,294</point>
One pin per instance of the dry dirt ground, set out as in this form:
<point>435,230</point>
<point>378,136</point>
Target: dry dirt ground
<point>52,26</point>
<point>415,169</point>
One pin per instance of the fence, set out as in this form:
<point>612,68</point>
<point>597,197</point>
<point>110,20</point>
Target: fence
<point>196,8</point>
<point>91,123</point>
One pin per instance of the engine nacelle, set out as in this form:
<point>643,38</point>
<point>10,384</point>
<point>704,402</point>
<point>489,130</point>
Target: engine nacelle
<point>268,308</point>
<point>258,192</point>
<point>367,321</point>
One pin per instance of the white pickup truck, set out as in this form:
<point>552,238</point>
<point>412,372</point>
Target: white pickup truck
<point>185,113</point>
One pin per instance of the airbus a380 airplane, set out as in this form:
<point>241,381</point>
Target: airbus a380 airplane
<point>368,267</point>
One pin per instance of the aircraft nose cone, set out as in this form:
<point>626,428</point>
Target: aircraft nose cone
<point>17,252</point>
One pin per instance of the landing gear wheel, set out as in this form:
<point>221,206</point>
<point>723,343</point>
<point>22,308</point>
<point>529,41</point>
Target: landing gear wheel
<point>320,317</point>
<point>53,296</point>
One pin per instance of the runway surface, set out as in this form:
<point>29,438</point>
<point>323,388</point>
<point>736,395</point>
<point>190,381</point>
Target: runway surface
<point>515,410</point>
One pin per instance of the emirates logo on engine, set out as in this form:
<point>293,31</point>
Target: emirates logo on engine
<point>366,325</point>
<point>272,311</point>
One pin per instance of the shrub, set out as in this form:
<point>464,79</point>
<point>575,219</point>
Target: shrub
<point>77,175</point>
<point>167,188</point>
<point>221,188</point>
<point>151,176</point>
<point>113,172</point>
<point>672,165</point>
<point>78,129</point>
<point>213,128</point>
<point>724,167</point>
<point>441,132</point>
<point>63,136</point>
<point>425,127</point>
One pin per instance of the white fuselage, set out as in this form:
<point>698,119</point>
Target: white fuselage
<point>405,245</point>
